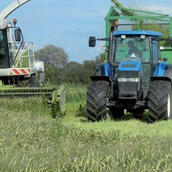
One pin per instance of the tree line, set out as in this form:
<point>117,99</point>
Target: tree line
<point>58,68</point>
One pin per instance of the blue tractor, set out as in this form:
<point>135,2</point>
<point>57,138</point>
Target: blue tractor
<point>134,78</point>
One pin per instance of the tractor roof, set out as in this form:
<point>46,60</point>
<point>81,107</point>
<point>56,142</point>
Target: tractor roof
<point>138,32</point>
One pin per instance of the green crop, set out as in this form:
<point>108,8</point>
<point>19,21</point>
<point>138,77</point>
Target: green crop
<point>30,140</point>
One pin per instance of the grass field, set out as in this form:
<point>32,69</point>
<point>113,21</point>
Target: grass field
<point>30,140</point>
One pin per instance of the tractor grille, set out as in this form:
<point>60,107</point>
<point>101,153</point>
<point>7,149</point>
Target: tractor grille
<point>128,84</point>
<point>128,74</point>
<point>128,65</point>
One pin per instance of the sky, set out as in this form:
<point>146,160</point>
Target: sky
<point>68,24</point>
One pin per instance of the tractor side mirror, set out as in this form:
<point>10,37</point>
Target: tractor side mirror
<point>92,41</point>
<point>17,33</point>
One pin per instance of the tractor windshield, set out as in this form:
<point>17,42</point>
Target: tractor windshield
<point>4,58</point>
<point>132,48</point>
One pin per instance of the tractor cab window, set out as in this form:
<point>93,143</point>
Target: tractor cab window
<point>4,58</point>
<point>132,48</point>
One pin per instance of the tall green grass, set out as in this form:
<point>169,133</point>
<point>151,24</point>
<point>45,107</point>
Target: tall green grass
<point>34,105</point>
<point>76,117</point>
<point>75,94</point>
<point>30,140</point>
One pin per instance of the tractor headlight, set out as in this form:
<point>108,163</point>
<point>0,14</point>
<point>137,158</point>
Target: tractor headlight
<point>128,79</point>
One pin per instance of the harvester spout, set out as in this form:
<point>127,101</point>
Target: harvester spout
<point>11,8</point>
<point>8,10</point>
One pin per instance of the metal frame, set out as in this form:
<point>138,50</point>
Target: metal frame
<point>121,13</point>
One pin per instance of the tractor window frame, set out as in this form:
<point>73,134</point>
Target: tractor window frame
<point>135,37</point>
<point>155,61</point>
<point>113,48</point>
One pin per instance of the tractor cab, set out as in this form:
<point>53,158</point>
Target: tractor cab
<point>134,58</point>
<point>134,45</point>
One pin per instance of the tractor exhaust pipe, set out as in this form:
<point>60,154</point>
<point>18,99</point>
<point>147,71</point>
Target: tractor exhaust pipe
<point>111,42</point>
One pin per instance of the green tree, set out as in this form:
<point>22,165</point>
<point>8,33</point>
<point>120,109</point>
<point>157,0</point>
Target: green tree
<point>75,73</point>
<point>55,59</point>
<point>58,70</point>
<point>51,54</point>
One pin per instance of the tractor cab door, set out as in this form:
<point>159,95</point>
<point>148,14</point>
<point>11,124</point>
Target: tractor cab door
<point>4,54</point>
<point>155,52</point>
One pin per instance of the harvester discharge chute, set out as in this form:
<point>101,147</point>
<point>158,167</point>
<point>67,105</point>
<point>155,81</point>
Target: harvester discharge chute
<point>20,74</point>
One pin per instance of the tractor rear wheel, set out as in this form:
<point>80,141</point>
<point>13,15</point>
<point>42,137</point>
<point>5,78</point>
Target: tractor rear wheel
<point>160,101</point>
<point>97,95</point>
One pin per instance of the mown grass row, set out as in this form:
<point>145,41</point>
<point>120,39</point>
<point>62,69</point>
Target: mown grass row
<point>30,140</point>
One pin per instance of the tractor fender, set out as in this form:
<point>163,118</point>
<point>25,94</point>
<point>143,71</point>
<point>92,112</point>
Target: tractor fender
<point>161,78</point>
<point>167,75</point>
<point>104,78</point>
<point>101,78</point>
<point>168,72</point>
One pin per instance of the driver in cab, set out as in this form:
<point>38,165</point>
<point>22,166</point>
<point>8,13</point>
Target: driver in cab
<point>133,50</point>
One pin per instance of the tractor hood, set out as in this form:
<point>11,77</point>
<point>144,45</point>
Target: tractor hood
<point>130,65</point>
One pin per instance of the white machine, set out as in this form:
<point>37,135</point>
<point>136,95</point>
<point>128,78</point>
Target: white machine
<point>17,60</point>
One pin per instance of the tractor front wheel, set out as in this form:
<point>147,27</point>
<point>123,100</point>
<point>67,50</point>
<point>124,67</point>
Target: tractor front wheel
<point>97,95</point>
<point>160,101</point>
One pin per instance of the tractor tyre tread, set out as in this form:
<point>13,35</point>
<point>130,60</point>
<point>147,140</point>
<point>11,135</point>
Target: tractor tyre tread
<point>158,100</point>
<point>96,100</point>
